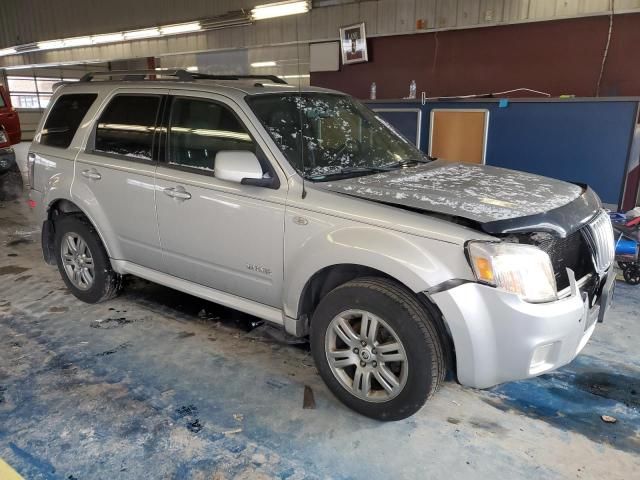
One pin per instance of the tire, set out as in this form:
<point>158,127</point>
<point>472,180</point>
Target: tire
<point>624,265</point>
<point>106,283</point>
<point>401,319</point>
<point>11,185</point>
<point>631,274</point>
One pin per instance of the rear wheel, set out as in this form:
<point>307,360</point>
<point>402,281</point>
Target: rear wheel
<point>83,261</point>
<point>377,348</point>
<point>631,274</point>
<point>11,185</point>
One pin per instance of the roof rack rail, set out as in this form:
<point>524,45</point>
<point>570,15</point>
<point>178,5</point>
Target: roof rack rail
<point>181,75</point>
<point>206,76</point>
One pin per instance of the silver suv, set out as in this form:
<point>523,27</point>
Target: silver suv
<point>302,207</point>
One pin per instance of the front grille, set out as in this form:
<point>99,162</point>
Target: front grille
<point>588,250</point>
<point>599,235</point>
<point>569,252</point>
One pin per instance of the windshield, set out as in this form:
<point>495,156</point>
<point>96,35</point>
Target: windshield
<point>324,135</point>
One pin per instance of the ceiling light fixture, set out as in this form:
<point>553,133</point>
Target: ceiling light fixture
<point>107,38</point>
<point>232,19</point>
<point>188,69</point>
<point>77,42</point>
<point>138,34</point>
<point>279,9</point>
<point>227,20</point>
<point>182,28</point>
<point>263,64</point>
<point>7,51</point>
<point>50,45</point>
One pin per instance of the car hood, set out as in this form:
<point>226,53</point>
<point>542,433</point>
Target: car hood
<point>498,199</point>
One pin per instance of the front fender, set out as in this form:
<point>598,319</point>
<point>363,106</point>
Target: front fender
<point>418,263</point>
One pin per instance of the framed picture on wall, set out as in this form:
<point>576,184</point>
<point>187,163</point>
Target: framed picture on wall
<point>353,44</point>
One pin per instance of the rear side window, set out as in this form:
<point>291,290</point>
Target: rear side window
<point>127,125</point>
<point>64,118</point>
<point>199,129</point>
<point>2,104</point>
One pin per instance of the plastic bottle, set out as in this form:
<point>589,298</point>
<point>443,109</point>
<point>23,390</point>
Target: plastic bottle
<point>372,94</point>
<point>412,89</point>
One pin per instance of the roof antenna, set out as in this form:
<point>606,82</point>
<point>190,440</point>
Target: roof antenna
<point>302,155</point>
<point>299,106</point>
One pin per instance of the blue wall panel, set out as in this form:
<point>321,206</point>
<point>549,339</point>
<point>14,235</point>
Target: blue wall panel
<point>404,122</point>
<point>578,141</point>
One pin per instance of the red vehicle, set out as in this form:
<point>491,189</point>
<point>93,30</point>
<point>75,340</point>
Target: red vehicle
<point>9,117</point>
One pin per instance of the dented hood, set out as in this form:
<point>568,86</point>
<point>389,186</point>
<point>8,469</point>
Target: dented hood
<point>498,199</point>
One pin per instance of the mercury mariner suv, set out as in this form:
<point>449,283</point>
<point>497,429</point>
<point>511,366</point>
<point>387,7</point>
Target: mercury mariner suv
<point>302,207</point>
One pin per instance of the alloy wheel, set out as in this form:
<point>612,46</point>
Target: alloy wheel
<point>77,261</point>
<point>366,356</point>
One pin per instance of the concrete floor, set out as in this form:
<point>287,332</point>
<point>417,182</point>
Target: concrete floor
<point>158,384</point>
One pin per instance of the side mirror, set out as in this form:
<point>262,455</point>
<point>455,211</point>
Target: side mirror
<point>236,165</point>
<point>242,166</point>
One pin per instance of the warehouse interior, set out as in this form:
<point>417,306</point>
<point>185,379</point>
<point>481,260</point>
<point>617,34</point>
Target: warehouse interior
<point>191,381</point>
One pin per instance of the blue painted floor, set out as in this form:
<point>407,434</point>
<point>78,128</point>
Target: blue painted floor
<point>157,384</point>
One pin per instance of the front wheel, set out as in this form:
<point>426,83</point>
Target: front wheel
<point>377,348</point>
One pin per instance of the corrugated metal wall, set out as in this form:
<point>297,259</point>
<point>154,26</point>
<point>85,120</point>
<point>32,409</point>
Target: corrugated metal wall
<point>23,21</point>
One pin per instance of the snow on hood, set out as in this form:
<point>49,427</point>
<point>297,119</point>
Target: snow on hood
<point>477,192</point>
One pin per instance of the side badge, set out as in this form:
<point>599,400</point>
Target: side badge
<point>300,220</point>
<point>258,268</point>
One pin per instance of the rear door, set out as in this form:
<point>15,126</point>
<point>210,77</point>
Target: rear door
<point>217,233</point>
<point>114,175</point>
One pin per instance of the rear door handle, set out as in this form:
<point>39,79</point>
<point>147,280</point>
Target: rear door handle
<point>91,174</point>
<point>178,192</point>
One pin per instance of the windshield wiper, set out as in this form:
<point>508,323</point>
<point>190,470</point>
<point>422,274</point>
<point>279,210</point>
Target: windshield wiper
<point>405,163</point>
<point>349,171</point>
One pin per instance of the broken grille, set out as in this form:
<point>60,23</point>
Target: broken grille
<point>599,236</point>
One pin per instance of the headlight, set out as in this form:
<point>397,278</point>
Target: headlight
<point>522,269</point>
<point>3,136</point>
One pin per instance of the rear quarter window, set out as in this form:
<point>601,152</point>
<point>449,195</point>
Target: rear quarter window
<point>64,119</point>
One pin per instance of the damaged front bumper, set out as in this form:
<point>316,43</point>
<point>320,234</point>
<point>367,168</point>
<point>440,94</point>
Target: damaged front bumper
<point>498,337</point>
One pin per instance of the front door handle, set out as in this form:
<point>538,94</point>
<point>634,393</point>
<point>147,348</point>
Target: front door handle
<point>91,174</point>
<point>178,193</point>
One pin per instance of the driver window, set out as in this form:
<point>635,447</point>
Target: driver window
<point>199,129</point>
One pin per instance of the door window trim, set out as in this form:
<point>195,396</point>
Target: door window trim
<point>91,142</point>
<point>165,134</point>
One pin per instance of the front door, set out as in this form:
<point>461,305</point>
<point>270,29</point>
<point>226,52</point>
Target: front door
<point>114,177</point>
<point>218,233</point>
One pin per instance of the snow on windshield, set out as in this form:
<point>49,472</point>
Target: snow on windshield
<point>322,134</point>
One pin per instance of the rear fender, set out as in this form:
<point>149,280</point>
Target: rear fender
<point>86,201</point>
